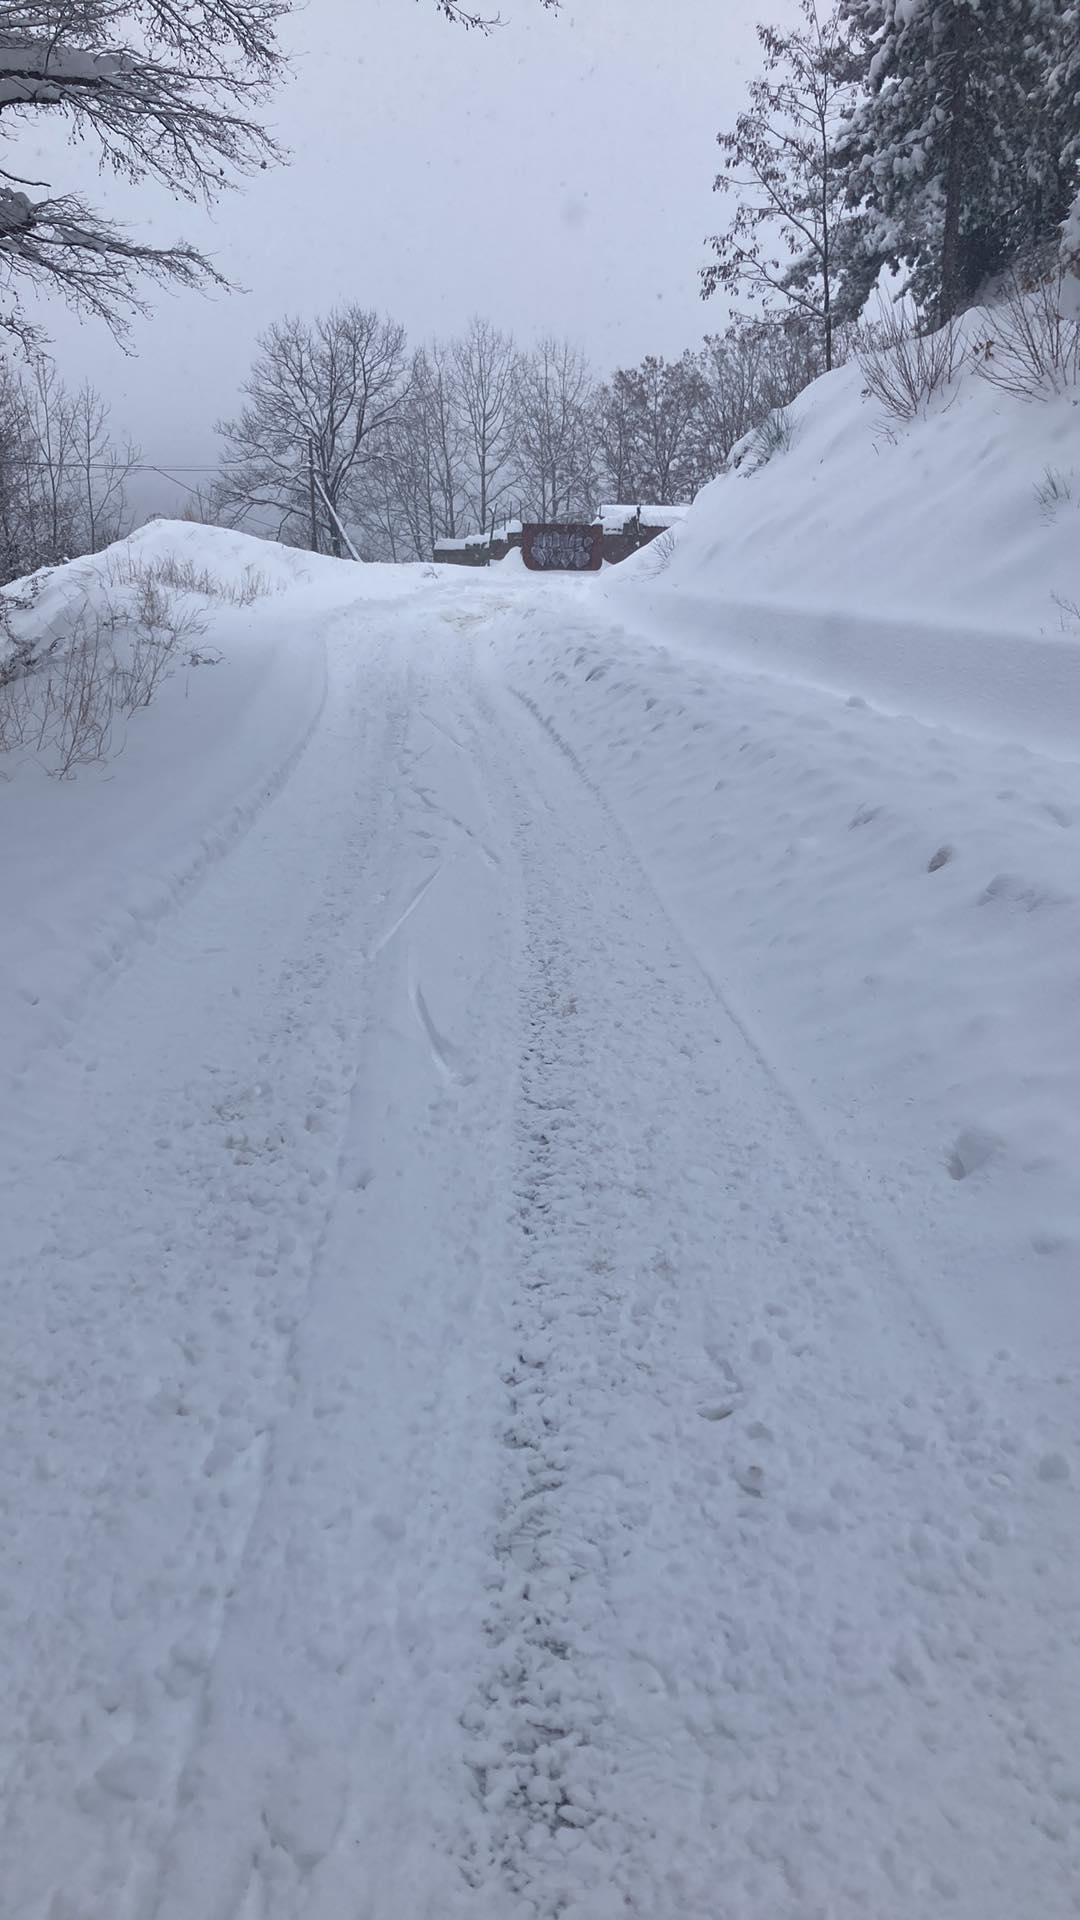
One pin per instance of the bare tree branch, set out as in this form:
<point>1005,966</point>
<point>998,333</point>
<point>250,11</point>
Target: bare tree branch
<point>167,90</point>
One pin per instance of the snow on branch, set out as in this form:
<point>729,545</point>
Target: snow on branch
<point>465,16</point>
<point>64,245</point>
<point>168,91</point>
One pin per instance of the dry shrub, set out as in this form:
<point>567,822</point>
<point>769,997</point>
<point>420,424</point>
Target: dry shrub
<point>662,551</point>
<point>1069,611</point>
<point>183,576</point>
<point>903,368</point>
<point>772,435</point>
<point>1033,345</point>
<point>16,714</point>
<point>1054,490</point>
<point>65,701</point>
<point>158,632</point>
<point>775,435</point>
<point>20,657</point>
<point>79,706</point>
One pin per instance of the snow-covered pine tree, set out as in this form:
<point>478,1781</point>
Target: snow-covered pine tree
<point>1064,97</point>
<point>955,159</point>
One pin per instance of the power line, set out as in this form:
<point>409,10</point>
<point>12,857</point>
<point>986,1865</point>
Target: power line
<point>104,466</point>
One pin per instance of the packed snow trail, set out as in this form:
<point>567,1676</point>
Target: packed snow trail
<point>469,1450</point>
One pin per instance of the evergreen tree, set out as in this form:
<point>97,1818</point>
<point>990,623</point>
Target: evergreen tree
<point>1064,97</point>
<point>956,159</point>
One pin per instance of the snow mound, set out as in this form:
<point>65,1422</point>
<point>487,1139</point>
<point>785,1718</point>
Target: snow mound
<point>932,566</point>
<point>94,861</point>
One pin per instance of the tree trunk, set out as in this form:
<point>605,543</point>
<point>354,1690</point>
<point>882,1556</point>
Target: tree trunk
<point>314,530</point>
<point>952,276</point>
<point>826,261</point>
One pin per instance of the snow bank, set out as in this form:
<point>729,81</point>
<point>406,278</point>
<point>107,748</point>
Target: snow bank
<point>933,567</point>
<point>91,864</point>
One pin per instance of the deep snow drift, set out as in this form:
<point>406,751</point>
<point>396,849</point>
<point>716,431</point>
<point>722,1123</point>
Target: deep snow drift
<point>539,1274</point>
<point>90,865</point>
<point>933,565</point>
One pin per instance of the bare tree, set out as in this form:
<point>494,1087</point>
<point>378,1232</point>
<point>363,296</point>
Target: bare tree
<point>466,16</point>
<point>101,470</point>
<point>165,90</point>
<point>780,161</point>
<point>387,528</point>
<point>443,435</point>
<point>748,372</point>
<point>555,430</point>
<point>415,494</point>
<point>484,362</point>
<point>647,417</point>
<point>617,440</point>
<point>62,477</point>
<point>321,399</point>
<point>50,446</point>
<point>16,556</point>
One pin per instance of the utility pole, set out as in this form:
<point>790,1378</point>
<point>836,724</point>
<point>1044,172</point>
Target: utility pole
<point>311,493</point>
<point>338,529</point>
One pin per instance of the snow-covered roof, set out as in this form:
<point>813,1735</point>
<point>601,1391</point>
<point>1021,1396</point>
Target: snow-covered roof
<point>613,516</point>
<point>508,528</point>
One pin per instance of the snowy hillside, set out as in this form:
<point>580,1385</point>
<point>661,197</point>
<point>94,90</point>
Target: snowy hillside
<point>904,559</point>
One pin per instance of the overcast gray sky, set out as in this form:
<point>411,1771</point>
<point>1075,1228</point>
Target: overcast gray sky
<point>555,175</point>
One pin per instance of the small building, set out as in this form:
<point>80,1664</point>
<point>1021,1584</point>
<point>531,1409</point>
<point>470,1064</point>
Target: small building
<point>626,527</point>
<point>618,531</point>
<point>563,547</point>
<point>479,549</point>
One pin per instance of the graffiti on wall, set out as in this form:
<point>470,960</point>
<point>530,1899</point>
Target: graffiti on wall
<point>565,549</point>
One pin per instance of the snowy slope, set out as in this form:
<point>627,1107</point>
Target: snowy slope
<point>915,563</point>
<point>89,868</point>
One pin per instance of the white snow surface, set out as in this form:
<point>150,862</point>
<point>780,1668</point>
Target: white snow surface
<point>932,565</point>
<point>540,1262</point>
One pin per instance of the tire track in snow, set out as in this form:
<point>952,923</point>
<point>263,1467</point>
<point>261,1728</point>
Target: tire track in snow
<point>406,913</point>
<point>756,1537</point>
<point>295,1826</point>
<point>324,1693</point>
<point>533,1726</point>
<point>172,1261</point>
<point>593,1298</point>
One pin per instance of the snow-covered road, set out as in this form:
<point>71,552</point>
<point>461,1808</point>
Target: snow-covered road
<point>469,1448</point>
